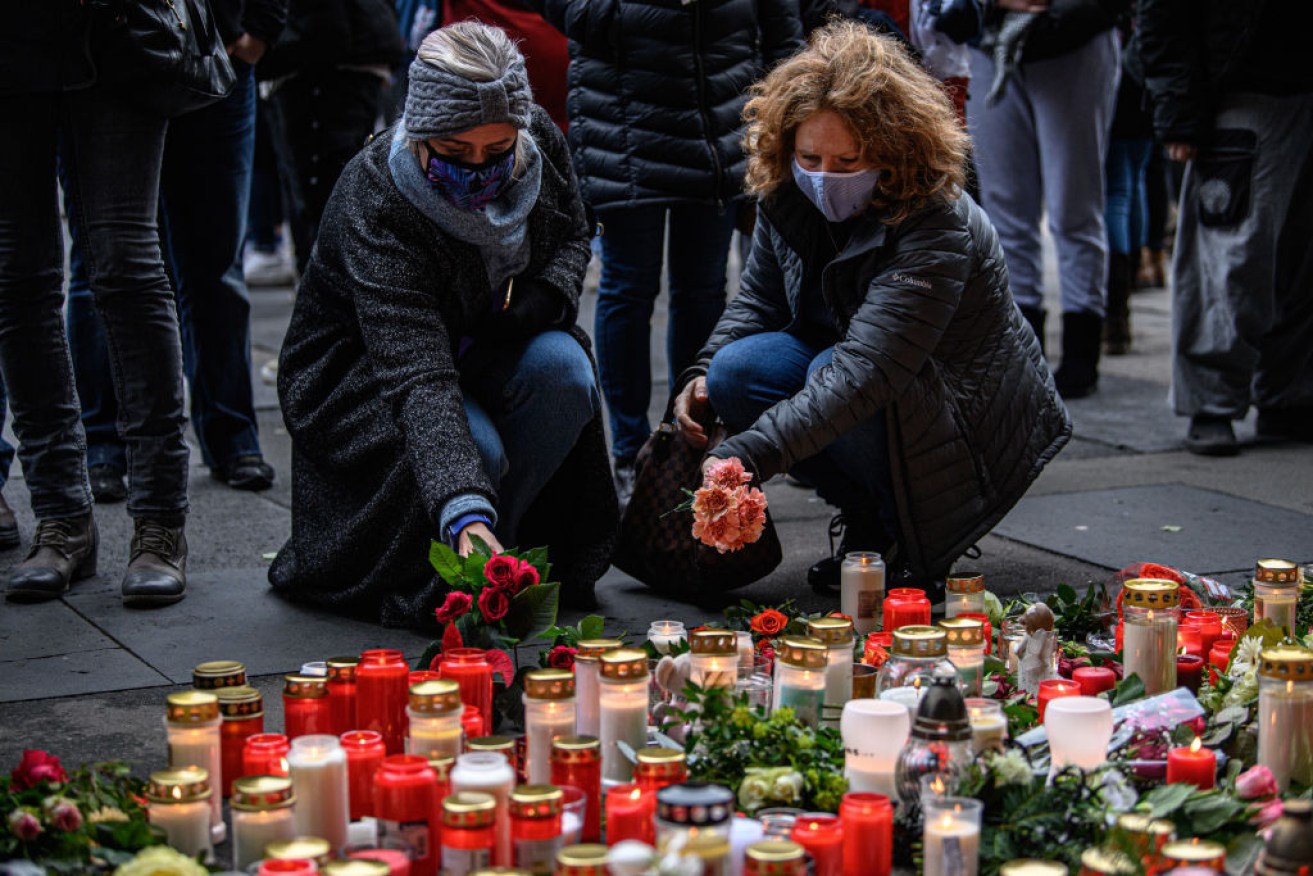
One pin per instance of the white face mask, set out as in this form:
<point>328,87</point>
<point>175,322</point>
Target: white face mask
<point>838,196</point>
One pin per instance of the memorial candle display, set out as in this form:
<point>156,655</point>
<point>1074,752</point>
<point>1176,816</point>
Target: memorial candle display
<point>549,712</point>
<point>489,773</point>
<point>904,607</point>
<point>836,634</point>
<point>468,832</point>
<point>215,675</point>
<point>306,848</point>
<point>265,754</point>
<point>665,633</point>
<point>192,725</point>
<point>951,836</point>
<point>714,656</point>
<point>630,815</point>
<point>584,859</point>
<point>874,732</point>
<point>342,693</point>
<point>1079,729</point>
<point>823,837</point>
<point>1194,852</point>
<point>586,685</point>
<point>364,755</point>
<point>406,809</point>
<point>965,640</point>
<point>261,814</point>
<point>178,802</point>
<point>382,691</point>
<point>861,589</point>
<point>623,708</point>
<point>577,763</point>
<point>1276,593</point>
<point>693,808</point>
<point>964,593</point>
<point>1285,714</point>
<point>306,707</point>
<point>1209,625</point>
<point>1149,616</point>
<point>800,673</point>
<point>876,649</point>
<point>317,766</point>
<point>868,834</point>
<point>1054,688</point>
<point>920,652</point>
<point>469,667</point>
<point>1192,765</point>
<point>242,711</point>
<point>535,826</point>
<point>433,718</point>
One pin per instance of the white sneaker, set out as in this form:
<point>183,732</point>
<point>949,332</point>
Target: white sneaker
<point>268,268</point>
<point>269,372</point>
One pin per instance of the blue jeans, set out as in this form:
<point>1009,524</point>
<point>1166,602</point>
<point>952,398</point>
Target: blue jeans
<point>112,153</point>
<point>526,407</point>
<point>205,183</point>
<point>752,374</point>
<point>1126,211</point>
<point>696,254</point>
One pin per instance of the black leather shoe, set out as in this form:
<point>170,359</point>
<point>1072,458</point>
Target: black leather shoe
<point>249,472</point>
<point>8,526</point>
<point>1211,436</point>
<point>63,551</point>
<point>157,565</point>
<point>107,483</point>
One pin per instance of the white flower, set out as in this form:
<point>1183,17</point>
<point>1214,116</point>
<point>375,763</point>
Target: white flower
<point>1010,768</point>
<point>753,791</point>
<point>1246,655</point>
<point>161,861</point>
<point>787,788</point>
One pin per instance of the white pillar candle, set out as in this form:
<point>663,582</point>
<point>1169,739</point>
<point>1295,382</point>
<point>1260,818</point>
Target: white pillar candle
<point>490,773</point>
<point>317,766</point>
<point>989,727</point>
<point>1149,649</point>
<point>262,813</point>
<point>1285,714</point>
<point>837,635</point>
<point>549,712</point>
<point>665,633</point>
<point>178,802</point>
<point>623,711</point>
<point>1079,730</point>
<point>951,838</point>
<point>192,723</point>
<point>861,589</point>
<point>586,666</point>
<point>874,732</point>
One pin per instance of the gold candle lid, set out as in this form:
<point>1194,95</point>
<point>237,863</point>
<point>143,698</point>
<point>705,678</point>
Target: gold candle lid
<point>965,582</point>
<point>582,855</point>
<point>437,697</point>
<point>624,664</point>
<point>500,871</point>
<point>500,744</point>
<point>1286,663</point>
<point>659,754</point>
<point>442,764</point>
<point>831,630</point>
<point>1033,867</point>
<point>576,749</point>
<point>963,632</point>
<point>305,687</point>
<point>469,810</point>
<point>1151,593</point>
<point>718,642</point>
<point>192,707</point>
<point>311,848</point>
<point>536,801</point>
<point>920,641</point>
<point>342,669</point>
<point>259,793</point>
<point>1108,862</point>
<point>804,652</point>
<point>1142,824</point>
<point>1276,572</point>
<point>218,673</point>
<point>356,867</point>
<point>774,856</point>
<point>1194,851</point>
<point>240,703</point>
<point>183,785</point>
<point>591,649</point>
<point>549,684</point>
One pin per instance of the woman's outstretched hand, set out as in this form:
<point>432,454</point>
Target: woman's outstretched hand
<point>464,544</point>
<point>691,410</point>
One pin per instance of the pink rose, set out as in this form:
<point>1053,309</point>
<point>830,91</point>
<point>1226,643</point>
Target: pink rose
<point>65,816</point>
<point>494,603</point>
<point>500,571</point>
<point>1271,811</point>
<point>1255,783</point>
<point>36,767</point>
<point>562,657</point>
<point>526,576</point>
<point>455,606</point>
<point>727,474</point>
<point>24,825</point>
<point>721,533</point>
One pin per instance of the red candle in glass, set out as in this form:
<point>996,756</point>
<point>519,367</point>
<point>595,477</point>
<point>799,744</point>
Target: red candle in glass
<point>398,861</point>
<point>905,606</point>
<point>468,831</point>
<point>382,693</point>
<point>535,821</point>
<point>1219,657</point>
<point>471,721</point>
<point>418,675</point>
<point>364,755</point>
<point>1052,689</point>
<point>1193,765</point>
<point>342,693</point>
<point>242,709</point>
<point>659,768</point>
<point>1093,680</point>
<point>1189,671</point>
<point>868,831</point>
<point>265,754</point>
<point>630,814</point>
<point>405,801</point>
<point>306,707</point>
<point>822,837</point>
<point>577,763</point>
<point>988,631</point>
<point>469,668</point>
<point>1187,638</point>
<point>1209,624</point>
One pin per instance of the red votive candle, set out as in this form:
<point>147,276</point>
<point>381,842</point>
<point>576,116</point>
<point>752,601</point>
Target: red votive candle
<point>868,831</point>
<point>287,867</point>
<point>822,837</point>
<point>988,631</point>
<point>536,826</point>
<point>364,755</point>
<point>1190,671</point>
<point>469,667</point>
<point>265,754</point>
<point>306,707</point>
<point>1209,624</point>
<point>1219,656</point>
<point>577,763</point>
<point>1194,765</point>
<point>1052,689</point>
<point>905,606</point>
<point>471,721</point>
<point>1188,639</point>
<point>382,693</point>
<point>1093,680</point>
<point>405,802</point>
<point>630,814</point>
<point>1117,637</point>
<point>242,709</point>
<point>342,693</point>
<point>418,675</point>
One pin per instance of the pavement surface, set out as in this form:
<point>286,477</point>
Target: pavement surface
<point>86,678</point>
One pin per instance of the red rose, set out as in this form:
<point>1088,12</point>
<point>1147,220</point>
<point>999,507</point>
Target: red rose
<point>500,572</point>
<point>36,767</point>
<point>456,605</point>
<point>494,603</point>
<point>526,576</point>
<point>770,622</point>
<point>24,825</point>
<point>562,657</point>
<point>65,816</point>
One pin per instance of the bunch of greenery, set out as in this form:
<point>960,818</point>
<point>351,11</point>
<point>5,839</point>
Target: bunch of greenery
<point>1075,617</point>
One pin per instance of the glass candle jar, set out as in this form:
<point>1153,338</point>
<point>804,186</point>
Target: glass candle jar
<point>1106,862</point>
<point>584,859</point>
<point>861,589</point>
<point>836,634</point>
<point>586,666</point>
<point>715,659</point>
<point>317,766</point>
<point>306,707</point>
<point>287,867</point>
<point>800,674</point>
<point>549,712</point>
<point>305,848</point>
<point>822,836</point>
<point>1276,593</point>
<point>1209,625</point>
<point>178,802</point>
<point>364,755</point>
<point>536,827</point>
<point>469,667</point>
<point>1146,835</point>
<point>919,653</point>
<point>192,724</point>
<point>940,742</point>
<point>242,711</point>
<point>692,808</point>
<point>1285,714</point>
<point>217,674</point>
<point>1149,618</point>
<point>775,858</point>
<point>261,814</point>
<point>577,763</point>
<point>491,773</point>
<point>660,767</point>
<point>265,754</point>
<point>623,709</point>
<point>986,625</point>
<point>406,808</point>
<point>965,639</point>
<point>964,592</point>
<point>468,832</point>
<point>1194,852</point>
<point>950,838</point>
<point>663,634</point>
<point>989,726</point>
<point>868,833</point>
<point>905,606</point>
<point>382,691</point>
<point>361,866</point>
<point>1011,633</point>
<point>433,718</point>
<point>342,693</point>
<point>630,815</point>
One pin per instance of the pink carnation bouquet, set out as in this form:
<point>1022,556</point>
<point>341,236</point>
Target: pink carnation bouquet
<point>727,513</point>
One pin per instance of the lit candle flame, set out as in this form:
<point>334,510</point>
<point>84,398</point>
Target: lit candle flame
<point>937,785</point>
<point>1196,745</point>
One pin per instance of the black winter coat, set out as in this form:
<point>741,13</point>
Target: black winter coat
<point>370,394</point>
<point>930,334</point>
<point>322,34</point>
<point>656,93</point>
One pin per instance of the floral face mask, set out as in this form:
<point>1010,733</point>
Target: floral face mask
<point>470,186</point>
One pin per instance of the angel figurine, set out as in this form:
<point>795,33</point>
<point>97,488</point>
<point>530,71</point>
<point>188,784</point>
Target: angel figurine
<point>1035,653</point>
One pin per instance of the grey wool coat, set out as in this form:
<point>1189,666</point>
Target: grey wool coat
<point>370,395</point>
<point>929,333</point>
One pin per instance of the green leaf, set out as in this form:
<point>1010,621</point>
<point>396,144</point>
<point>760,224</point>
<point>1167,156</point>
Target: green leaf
<point>1166,799</point>
<point>445,562</point>
<point>591,627</point>
<point>1067,594</point>
<point>1242,853</point>
<point>1128,690</point>
<point>536,557</point>
<point>1208,812</point>
<point>471,569</point>
<point>480,547</point>
<point>532,611</point>
<point>425,659</point>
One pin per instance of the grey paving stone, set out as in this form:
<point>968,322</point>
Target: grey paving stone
<point>81,672</point>
<point>46,629</point>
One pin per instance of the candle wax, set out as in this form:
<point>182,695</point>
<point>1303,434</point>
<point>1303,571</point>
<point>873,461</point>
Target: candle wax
<point>951,847</point>
<point>186,825</point>
<point>1189,767</point>
<point>253,831</point>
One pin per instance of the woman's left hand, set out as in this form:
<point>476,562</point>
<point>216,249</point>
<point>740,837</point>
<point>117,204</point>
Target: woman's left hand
<point>464,544</point>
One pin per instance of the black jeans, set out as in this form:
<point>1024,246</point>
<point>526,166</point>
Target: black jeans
<point>112,152</point>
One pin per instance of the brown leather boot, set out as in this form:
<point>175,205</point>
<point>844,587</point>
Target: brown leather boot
<point>63,551</point>
<point>157,564</point>
<point>8,526</point>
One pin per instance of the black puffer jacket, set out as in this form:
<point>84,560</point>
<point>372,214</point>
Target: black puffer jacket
<point>657,89</point>
<point>929,334</point>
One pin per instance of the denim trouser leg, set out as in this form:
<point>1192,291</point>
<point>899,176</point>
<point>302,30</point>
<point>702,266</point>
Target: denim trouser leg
<point>1126,212</point>
<point>526,410</point>
<point>206,184</point>
<point>752,374</point>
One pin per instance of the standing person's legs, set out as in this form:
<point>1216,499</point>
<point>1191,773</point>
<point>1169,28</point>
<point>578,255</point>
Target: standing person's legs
<point>697,252</point>
<point>1119,208</point>
<point>8,524</point>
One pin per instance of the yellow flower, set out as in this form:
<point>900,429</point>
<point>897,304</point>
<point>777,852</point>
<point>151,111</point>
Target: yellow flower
<point>161,861</point>
<point>106,814</point>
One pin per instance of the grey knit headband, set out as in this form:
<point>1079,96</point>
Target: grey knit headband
<point>439,104</point>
